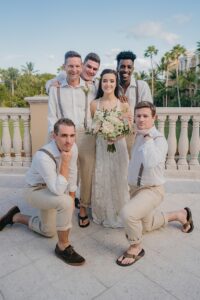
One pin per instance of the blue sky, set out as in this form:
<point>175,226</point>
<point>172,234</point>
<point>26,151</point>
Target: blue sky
<point>42,31</point>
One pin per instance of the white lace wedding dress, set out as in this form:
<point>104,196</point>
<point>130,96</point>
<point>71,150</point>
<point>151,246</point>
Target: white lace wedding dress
<point>110,186</point>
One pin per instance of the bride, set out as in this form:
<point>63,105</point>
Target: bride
<point>110,186</point>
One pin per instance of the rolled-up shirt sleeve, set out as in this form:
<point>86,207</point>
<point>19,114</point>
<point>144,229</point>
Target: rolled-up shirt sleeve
<point>56,183</point>
<point>154,152</point>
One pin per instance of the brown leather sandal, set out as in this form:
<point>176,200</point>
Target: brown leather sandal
<point>189,221</point>
<point>133,256</point>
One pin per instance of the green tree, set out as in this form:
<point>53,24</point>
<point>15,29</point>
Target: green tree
<point>150,52</point>
<point>10,77</point>
<point>164,67</point>
<point>29,68</point>
<point>176,52</point>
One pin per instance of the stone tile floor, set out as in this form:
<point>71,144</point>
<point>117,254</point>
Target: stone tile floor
<point>169,270</point>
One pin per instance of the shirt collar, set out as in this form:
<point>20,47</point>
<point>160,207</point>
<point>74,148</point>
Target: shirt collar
<point>65,83</point>
<point>132,83</point>
<point>53,148</point>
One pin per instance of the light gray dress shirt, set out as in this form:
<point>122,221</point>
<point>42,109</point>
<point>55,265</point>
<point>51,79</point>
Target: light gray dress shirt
<point>152,154</point>
<point>44,170</point>
<point>144,93</point>
<point>73,103</point>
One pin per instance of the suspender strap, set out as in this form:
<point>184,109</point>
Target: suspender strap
<point>142,167</point>
<point>49,154</point>
<point>140,175</point>
<point>59,102</point>
<point>136,93</point>
<point>86,109</point>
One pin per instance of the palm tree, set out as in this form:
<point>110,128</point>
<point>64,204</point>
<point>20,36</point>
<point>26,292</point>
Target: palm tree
<point>165,63</point>
<point>150,52</point>
<point>28,69</point>
<point>197,67</point>
<point>10,77</point>
<point>176,52</point>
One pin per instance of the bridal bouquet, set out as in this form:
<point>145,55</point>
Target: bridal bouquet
<point>110,125</point>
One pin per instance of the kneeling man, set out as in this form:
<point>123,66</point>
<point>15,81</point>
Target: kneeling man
<point>52,181</point>
<point>146,179</point>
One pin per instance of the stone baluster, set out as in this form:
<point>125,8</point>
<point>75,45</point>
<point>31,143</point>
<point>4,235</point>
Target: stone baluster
<point>6,143</point>
<point>195,145</point>
<point>0,154</point>
<point>183,143</point>
<point>27,141</point>
<point>161,123</point>
<point>17,142</point>
<point>172,143</point>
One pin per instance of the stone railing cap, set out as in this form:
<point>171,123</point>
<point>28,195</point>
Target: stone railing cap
<point>36,99</point>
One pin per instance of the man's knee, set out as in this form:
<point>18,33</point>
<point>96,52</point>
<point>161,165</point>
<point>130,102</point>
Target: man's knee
<point>48,230</point>
<point>129,214</point>
<point>65,202</point>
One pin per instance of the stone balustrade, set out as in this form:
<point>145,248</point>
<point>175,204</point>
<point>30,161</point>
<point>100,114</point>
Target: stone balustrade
<point>180,126</point>
<point>15,140</point>
<point>183,139</point>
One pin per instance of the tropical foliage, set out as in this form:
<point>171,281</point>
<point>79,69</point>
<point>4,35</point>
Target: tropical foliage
<point>16,84</point>
<point>170,84</point>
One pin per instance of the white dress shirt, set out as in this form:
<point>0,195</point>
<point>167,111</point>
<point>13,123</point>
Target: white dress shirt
<point>73,102</point>
<point>152,154</point>
<point>44,170</point>
<point>144,93</point>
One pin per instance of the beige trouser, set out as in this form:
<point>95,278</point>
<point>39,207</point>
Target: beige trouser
<point>86,160</point>
<point>139,214</point>
<point>130,141</point>
<point>55,211</point>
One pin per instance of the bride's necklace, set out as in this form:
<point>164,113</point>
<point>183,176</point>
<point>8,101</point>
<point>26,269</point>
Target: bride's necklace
<point>108,104</point>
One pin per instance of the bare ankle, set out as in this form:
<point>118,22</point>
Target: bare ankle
<point>62,246</point>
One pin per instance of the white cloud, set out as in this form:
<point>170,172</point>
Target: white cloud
<point>152,29</point>
<point>51,56</point>
<point>112,53</point>
<point>182,19</point>
<point>142,64</point>
<point>11,57</point>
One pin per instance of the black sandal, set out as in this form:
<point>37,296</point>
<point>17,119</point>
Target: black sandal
<point>83,219</point>
<point>77,203</point>
<point>189,221</point>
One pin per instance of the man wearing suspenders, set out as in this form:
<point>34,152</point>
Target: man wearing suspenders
<point>72,100</point>
<point>131,90</point>
<point>52,180</point>
<point>146,179</point>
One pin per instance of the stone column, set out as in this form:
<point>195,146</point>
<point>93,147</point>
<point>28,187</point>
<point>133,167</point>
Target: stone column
<point>172,143</point>
<point>27,141</point>
<point>17,141</point>
<point>39,125</point>
<point>161,123</point>
<point>183,144</point>
<point>6,143</point>
<point>195,145</point>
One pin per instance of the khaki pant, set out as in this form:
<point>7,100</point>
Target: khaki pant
<point>130,141</point>
<point>55,211</point>
<point>86,161</point>
<point>139,214</point>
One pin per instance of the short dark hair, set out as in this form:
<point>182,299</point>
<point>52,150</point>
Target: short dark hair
<point>92,56</point>
<point>63,121</point>
<point>71,53</point>
<point>100,91</point>
<point>125,55</point>
<point>146,104</point>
